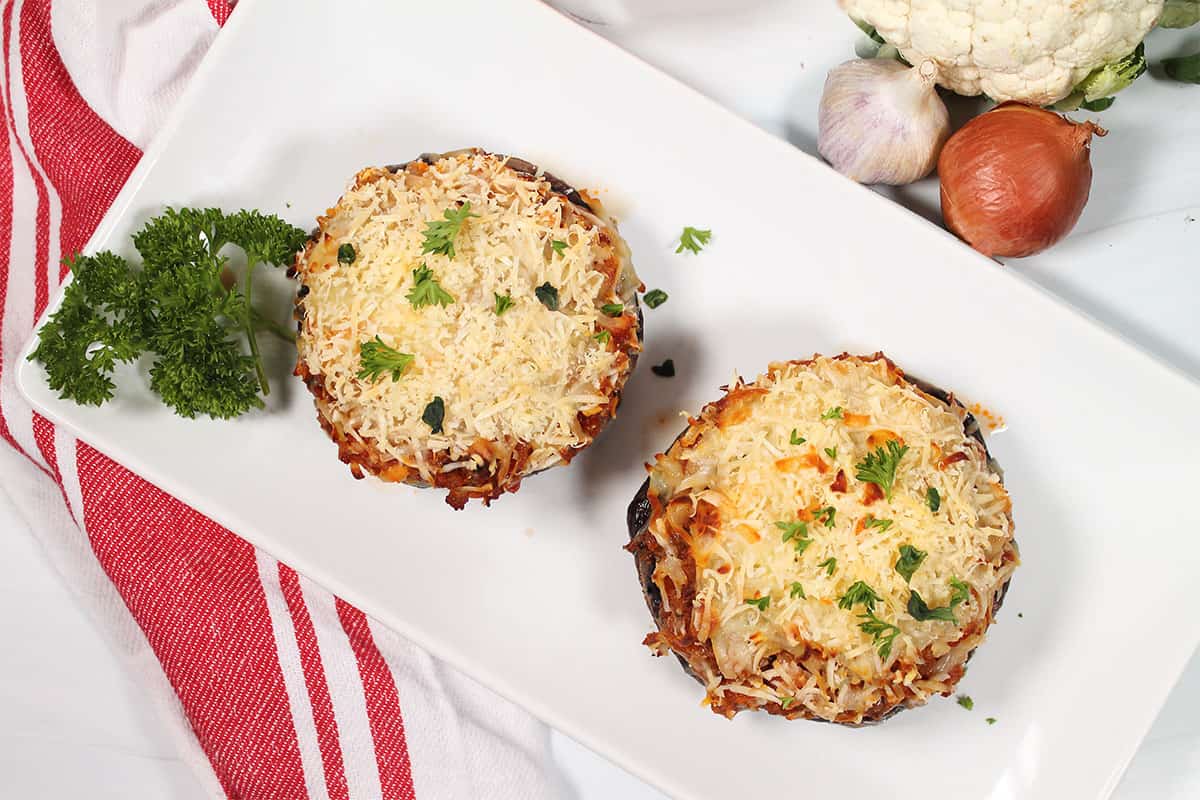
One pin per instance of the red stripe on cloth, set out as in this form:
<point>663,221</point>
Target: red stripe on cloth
<point>193,587</point>
<point>85,160</point>
<point>43,434</point>
<point>220,10</point>
<point>41,289</point>
<point>324,719</point>
<point>383,706</point>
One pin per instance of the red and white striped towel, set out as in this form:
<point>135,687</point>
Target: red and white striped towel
<point>277,688</point>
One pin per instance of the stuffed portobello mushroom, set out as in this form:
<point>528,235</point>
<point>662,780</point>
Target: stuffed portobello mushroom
<point>465,320</point>
<point>829,542</point>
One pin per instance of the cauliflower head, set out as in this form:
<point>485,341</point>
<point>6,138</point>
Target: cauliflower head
<point>1034,51</point>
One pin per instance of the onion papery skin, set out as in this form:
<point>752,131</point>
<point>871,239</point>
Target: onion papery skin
<point>1014,181</point>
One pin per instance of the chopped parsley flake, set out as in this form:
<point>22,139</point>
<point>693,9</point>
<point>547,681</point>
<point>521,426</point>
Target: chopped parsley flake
<point>378,359</point>
<point>440,234</point>
<point>882,524</point>
<point>547,295</point>
<point>760,603</point>
<point>792,530</point>
<point>960,592</point>
<point>798,591</point>
<point>991,720</point>
<point>825,515</point>
<point>831,452</point>
<point>966,702</point>
<point>859,593</point>
<point>613,309</point>
<point>833,413</point>
<point>921,612</point>
<point>655,298</point>
<point>796,438</point>
<point>503,303</point>
<point>910,559</point>
<point>602,337</point>
<point>346,253</point>
<point>558,246</point>
<point>879,467</point>
<point>426,291</point>
<point>830,565</point>
<point>693,239</point>
<point>933,499</point>
<point>434,414</point>
<point>786,701</point>
<point>882,634</point>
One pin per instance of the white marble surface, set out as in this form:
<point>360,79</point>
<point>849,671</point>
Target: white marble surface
<point>73,724</point>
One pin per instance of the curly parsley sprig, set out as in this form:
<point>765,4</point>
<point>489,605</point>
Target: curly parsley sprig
<point>879,467</point>
<point>175,308</point>
<point>441,233</point>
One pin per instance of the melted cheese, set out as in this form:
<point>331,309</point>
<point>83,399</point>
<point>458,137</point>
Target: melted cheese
<point>744,465</point>
<point>523,376</point>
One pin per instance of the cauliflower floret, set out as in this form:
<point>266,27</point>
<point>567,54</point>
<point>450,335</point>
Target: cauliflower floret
<point>1034,51</point>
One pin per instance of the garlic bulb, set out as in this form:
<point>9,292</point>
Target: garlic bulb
<point>881,121</point>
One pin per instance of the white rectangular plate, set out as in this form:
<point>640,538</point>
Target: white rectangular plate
<point>535,596</point>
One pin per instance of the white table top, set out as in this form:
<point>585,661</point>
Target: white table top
<point>75,725</point>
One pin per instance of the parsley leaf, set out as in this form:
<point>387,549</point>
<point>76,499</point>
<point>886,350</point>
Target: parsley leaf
<point>693,239</point>
<point>966,702</point>
<point>882,524</point>
<point>441,233</point>
<point>825,515</point>
<point>434,414</point>
<point>859,593</point>
<point>613,309</point>
<point>377,359</point>
<point>346,253</point>
<point>879,467</point>
<point>665,369</point>
<point>831,452</point>
<point>798,590</point>
<point>176,308</point>
<point>602,337</point>
<point>760,603</point>
<point>989,720</point>
<point>503,303</point>
<point>910,559</point>
<point>833,413</point>
<point>426,291</point>
<point>796,438</point>
<point>830,565</point>
<point>921,612</point>
<point>547,295</point>
<point>558,246</point>
<point>655,298</point>
<point>793,529</point>
<point>960,592</point>
<point>882,634</point>
<point>933,499</point>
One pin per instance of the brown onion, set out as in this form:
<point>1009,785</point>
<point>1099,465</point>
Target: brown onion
<point>1016,179</point>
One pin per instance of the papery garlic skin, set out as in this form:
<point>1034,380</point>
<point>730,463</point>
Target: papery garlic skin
<point>881,121</point>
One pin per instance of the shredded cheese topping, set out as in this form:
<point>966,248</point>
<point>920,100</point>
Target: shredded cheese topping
<point>524,376</point>
<point>735,474</point>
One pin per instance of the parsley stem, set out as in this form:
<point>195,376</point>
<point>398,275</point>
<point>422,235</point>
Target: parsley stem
<point>264,323</point>
<point>247,290</point>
